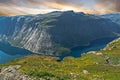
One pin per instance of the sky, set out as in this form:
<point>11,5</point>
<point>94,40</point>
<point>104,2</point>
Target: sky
<point>23,7</point>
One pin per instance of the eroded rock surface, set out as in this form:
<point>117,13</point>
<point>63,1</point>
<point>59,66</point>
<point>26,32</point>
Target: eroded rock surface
<point>11,73</point>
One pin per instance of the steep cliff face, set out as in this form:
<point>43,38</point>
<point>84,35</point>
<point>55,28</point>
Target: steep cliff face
<point>25,32</point>
<point>55,32</point>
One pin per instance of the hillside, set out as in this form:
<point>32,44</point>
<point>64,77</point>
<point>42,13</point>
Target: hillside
<point>55,33</point>
<point>115,17</point>
<point>95,65</point>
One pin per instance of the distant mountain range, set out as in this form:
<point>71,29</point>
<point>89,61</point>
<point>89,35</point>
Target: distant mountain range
<point>57,32</point>
<point>115,17</point>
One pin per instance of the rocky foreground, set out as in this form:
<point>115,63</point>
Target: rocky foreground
<point>11,73</point>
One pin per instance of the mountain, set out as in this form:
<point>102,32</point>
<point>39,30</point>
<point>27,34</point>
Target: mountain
<point>57,32</point>
<point>115,17</point>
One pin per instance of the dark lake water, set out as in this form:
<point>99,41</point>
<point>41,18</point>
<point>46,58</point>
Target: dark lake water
<point>93,46</point>
<point>8,52</point>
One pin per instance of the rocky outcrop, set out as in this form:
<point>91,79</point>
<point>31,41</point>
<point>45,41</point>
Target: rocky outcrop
<point>11,73</point>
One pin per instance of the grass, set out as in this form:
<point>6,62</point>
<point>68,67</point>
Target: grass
<point>44,23</point>
<point>71,68</point>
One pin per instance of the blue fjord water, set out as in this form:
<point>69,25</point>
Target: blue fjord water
<point>8,52</point>
<point>93,46</point>
<point>4,57</point>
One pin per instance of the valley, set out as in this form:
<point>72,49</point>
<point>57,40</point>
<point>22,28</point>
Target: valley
<point>9,52</point>
<point>90,66</point>
<point>55,33</point>
<point>60,45</point>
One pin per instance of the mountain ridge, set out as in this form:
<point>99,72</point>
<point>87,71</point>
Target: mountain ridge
<point>56,32</point>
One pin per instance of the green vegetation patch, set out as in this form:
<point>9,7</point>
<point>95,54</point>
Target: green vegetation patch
<point>45,22</point>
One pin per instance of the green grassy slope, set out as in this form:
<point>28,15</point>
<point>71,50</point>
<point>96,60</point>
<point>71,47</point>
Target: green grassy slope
<point>90,66</point>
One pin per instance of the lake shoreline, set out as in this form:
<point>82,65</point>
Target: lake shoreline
<point>16,52</point>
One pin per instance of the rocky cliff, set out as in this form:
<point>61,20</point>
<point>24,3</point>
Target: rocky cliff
<point>56,32</point>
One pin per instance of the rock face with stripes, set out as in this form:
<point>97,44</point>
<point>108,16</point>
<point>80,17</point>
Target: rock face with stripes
<point>55,32</point>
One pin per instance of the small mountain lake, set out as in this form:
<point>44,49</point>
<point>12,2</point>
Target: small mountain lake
<point>8,52</point>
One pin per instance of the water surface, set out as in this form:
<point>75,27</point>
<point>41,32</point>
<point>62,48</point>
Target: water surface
<point>93,46</point>
<point>8,52</point>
